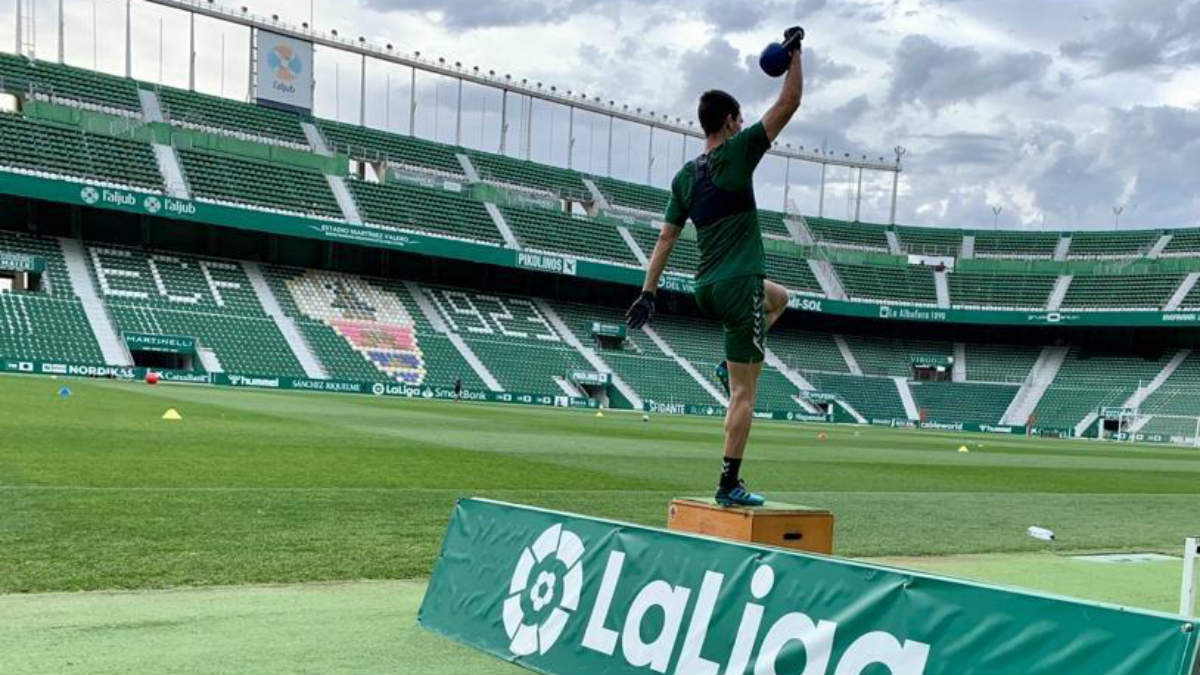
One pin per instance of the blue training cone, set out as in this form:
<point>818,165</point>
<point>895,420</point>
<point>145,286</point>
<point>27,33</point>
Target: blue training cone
<point>64,392</point>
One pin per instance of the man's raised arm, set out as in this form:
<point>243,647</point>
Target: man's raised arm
<point>643,308</point>
<point>788,103</point>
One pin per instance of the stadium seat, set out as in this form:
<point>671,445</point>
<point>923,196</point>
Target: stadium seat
<point>1131,291</point>
<point>42,146</point>
<point>912,283</point>
<point>962,401</point>
<point>555,231</point>
<point>843,233</point>
<point>376,145</point>
<point>413,207</point>
<point>190,108</point>
<point>242,180</point>
<point>67,84</point>
<point>992,290</point>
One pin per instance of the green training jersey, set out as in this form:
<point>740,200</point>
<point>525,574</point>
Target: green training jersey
<point>716,191</point>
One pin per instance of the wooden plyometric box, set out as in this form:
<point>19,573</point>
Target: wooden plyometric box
<point>775,524</point>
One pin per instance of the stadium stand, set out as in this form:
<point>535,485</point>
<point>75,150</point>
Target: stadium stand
<point>373,144</point>
<point>685,257</point>
<point>999,363</point>
<point>962,401</point>
<point>771,222</point>
<point>511,336</point>
<point>210,300</point>
<point>1002,244</point>
<point>912,283</point>
<point>1087,381</point>
<point>553,231</point>
<point>793,272</point>
<point>877,355</point>
<point>357,331</point>
<point>219,114</point>
<point>242,180</point>
<point>21,76</point>
<point>404,205</point>
<point>1183,243</point>
<point>929,240</point>
<point>502,169</point>
<point>994,290</point>
<point>371,329</point>
<point>1132,291</point>
<point>872,397</point>
<point>48,323</point>
<point>655,376</point>
<point>842,233</point>
<point>41,146</point>
<point>804,350</point>
<point>633,195</point>
<point>1133,244</point>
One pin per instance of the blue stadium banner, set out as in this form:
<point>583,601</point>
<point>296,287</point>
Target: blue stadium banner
<point>564,593</point>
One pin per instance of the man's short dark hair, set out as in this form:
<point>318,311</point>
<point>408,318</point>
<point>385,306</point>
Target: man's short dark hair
<point>715,107</point>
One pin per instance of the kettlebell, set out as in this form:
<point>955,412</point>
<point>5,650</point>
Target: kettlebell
<point>777,56</point>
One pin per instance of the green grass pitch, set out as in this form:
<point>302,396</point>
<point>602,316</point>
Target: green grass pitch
<point>254,487</point>
<point>262,488</point>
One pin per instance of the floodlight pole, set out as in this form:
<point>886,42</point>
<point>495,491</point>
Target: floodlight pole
<point>650,155</point>
<point>61,19</point>
<point>191,51</point>
<point>252,65</point>
<point>529,129</point>
<point>503,118</point>
<point>899,150</point>
<point>787,178</point>
<point>387,101</point>
<point>362,91</point>
<point>17,48</point>
<point>128,39</point>
<point>821,198</point>
<point>608,169</point>
<point>570,134</point>
<point>412,102</point>
<point>858,195</point>
<point>458,115</point>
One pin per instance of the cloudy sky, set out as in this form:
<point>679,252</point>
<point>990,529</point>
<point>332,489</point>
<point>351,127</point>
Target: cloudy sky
<point>1055,111</point>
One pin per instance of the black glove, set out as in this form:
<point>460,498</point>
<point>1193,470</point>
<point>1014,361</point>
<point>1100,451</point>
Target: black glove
<point>641,310</point>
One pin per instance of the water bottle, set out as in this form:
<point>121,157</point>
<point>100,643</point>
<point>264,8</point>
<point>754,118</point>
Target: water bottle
<point>1040,533</point>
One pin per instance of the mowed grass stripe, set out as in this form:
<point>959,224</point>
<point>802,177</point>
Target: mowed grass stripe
<point>258,487</point>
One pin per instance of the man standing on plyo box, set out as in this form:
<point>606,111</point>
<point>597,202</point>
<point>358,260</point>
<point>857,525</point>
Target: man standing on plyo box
<point>716,190</point>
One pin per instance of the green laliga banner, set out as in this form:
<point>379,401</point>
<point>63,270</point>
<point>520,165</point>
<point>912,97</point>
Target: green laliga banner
<point>11,261</point>
<point>169,344</point>
<point>563,593</point>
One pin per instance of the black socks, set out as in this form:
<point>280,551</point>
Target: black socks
<point>729,472</point>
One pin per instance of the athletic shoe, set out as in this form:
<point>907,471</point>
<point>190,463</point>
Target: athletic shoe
<point>723,375</point>
<point>738,495</point>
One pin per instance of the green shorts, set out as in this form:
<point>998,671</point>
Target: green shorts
<point>738,304</point>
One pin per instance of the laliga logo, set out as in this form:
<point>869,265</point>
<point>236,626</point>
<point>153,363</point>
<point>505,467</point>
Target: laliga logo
<point>285,64</point>
<point>536,613</point>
